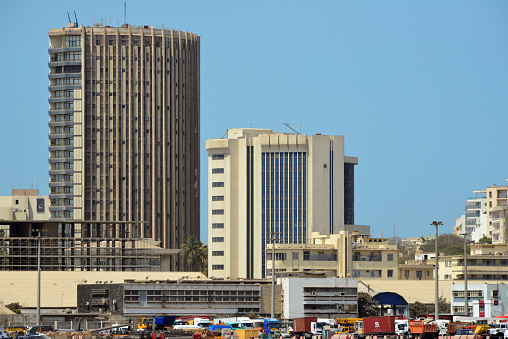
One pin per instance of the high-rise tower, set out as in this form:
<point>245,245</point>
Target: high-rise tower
<point>124,131</point>
<point>263,186</point>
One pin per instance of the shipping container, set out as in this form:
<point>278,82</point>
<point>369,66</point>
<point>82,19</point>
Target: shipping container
<point>303,324</point>
<point>379,325</point>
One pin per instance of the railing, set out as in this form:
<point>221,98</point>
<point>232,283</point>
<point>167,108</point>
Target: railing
<point>368,258</point>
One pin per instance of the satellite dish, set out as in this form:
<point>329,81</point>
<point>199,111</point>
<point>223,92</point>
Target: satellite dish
<point>97,24</point>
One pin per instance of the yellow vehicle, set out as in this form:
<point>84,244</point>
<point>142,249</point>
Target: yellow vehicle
<point>347,325</point>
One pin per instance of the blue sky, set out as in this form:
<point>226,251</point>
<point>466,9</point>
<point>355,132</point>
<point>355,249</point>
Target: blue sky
<point>419,89</point>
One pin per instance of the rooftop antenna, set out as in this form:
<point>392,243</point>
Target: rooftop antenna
<point>125,12</point>
<point>224,134</point>
<point>291,128</point>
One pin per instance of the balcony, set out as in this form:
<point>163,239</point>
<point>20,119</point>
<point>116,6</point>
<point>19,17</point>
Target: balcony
<point>64,63</point>
<point>61,171</point>
<point>61,208</point>
<point>60,195</point>
<point>62,87</point>
<point>54,135</point>
<point>64,75</point>
<point>63,49</point>
<point>61,183</point>
<point>60,147</point>
<point>60,99</point>
<point>62,123</point>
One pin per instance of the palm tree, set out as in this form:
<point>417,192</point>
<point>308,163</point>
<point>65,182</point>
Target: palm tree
<point>196,252</point>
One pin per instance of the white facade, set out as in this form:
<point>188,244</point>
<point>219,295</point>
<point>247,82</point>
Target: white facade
<point>319,297</point>
<point>262,183</point>
<point>484,300</point>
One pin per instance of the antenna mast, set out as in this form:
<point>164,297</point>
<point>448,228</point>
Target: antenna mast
<point>125,12</point>
<point>291,128</point>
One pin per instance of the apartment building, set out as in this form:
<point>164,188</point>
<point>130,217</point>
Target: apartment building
<point>374,258</point>
<point>497,213</point>
<point>484,300</point>
<point>124,132</point>
<point>266,187</point>
<point>485,262</point>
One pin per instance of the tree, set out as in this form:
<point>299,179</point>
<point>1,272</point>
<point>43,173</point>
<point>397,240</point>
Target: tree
<point>14,307</point>
<point>195,252</point>
<point>418,309</point>
<point>485,240</point>
<point>367,306</point>
<point>443,241</point>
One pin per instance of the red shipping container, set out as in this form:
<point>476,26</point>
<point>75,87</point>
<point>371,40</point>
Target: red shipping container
<point>379,325</point>
<point>303,324</point>
<point>197,336</point>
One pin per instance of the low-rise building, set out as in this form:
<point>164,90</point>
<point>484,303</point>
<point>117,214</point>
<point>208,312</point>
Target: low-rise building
<point>319,297</point>
<point>484,300</point>
<point>24,204</point>
<point>346,254</point>
<point>485,262</point>
<point>416,270</point>
<point>137,298</point>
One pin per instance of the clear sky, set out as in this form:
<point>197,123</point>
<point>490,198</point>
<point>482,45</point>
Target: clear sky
<point>419,89</point>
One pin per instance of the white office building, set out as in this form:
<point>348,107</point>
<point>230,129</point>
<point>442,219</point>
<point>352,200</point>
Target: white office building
<point>263,186</point>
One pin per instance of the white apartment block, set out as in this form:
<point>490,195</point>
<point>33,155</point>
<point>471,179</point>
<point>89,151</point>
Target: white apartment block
<point>264,185</point>
<point>497,213</point>
<point>484,300</point>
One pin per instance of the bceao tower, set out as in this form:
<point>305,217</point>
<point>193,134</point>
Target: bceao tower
<point>264,185</point>
<point>124,106</point>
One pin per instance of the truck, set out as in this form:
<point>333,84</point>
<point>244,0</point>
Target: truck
<point>159,322</point>
<point>379,325</point>
<point>303,325</point>
<point>271,326</point>
<point>498,330</point>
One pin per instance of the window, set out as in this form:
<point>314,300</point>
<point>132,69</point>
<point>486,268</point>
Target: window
<point>217,212</point>
<point>406,274</point>
<point>280,256</point>
<point>495,293</point>
<point>217,170</point>
<point>306,255</point>
<point>295,255</point>
<point>218,157</point>
<point>390,257</point>
<point>218,198</point>
<point>217,239</point>
<point>218,184</point>
<point>218,225</point>
<point>390,273</point>
<point>72,41</point>
<point>73,56</point>
<point>217,267</point>
<point>419,274</point>
<point>218,253</point>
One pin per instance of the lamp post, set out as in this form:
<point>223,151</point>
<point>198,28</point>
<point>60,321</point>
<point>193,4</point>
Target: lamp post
<point>273,239</point>
<point>38,277</point>
<point>436,309</point>
<point>466,297</point>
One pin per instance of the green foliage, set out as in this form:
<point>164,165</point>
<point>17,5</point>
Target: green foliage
<point>443,241</point>
<point>456,250</point>
<point>418,309</point>
<point>367,306</point>
<point>196,253</point>
<point>14,307</point>
<point>485,240</point>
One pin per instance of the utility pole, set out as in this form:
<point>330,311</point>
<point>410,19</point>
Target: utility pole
<point>38,277</point>
<point>273,239</point>
<point>436,309</point>
<point>466,292</point>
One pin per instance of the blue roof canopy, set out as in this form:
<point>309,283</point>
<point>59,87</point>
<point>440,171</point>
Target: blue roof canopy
<point>390,298</point>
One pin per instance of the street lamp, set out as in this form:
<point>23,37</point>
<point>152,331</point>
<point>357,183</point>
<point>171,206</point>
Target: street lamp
<point>38,277</point>
<point>273,239</point>
<point>466,297</point>
<point>436,309</point>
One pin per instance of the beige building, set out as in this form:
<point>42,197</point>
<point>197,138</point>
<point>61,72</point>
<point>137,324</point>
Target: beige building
<point>124,132</point>
<point>264,185</point>
<point>417,270</point>
<point>374,258</point>
<point>485,262</point>
<point>24,204</point>
<point>497,213</point>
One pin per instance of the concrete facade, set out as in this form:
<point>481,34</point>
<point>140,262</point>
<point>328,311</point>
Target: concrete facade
<point>124,132</point>
<point>261,184</point>
<point>319,297</point>
<point>484,300</point>
<point>484,262</point>
<point>136,298</point>
<point>24,204</point>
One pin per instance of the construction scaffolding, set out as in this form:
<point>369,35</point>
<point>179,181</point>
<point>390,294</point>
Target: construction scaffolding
<point>84,254</point>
